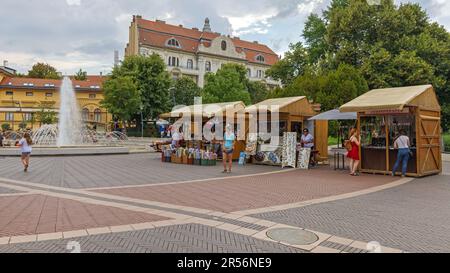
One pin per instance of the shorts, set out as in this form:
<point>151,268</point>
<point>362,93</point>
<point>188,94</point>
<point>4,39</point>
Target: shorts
<point>27,153</point>
<point>228,152</point>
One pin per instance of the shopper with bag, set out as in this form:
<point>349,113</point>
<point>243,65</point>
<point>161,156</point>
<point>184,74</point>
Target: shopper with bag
<point>353,153</point>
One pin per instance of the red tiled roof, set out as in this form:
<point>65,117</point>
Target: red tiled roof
<point>90,83</point>
<point>156,33</point>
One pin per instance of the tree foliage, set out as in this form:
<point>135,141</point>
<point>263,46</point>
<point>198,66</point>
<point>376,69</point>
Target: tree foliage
<point>184,91</point>
<point>43,71</point>
<point>121,97</point>
<point>228,84</point>
<point>390,45</point>
<point>80,75</point>
<point>151,79</point>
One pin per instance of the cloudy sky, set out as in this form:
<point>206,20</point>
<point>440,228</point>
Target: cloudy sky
<point>74,34</point>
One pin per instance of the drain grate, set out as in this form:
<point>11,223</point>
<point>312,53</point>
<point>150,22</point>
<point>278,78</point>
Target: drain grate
<point>292,236</point>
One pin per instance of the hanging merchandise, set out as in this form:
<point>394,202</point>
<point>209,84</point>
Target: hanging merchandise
<point>289,150</point>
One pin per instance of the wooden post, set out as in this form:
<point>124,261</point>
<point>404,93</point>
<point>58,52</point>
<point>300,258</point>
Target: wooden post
<point>387,141</point>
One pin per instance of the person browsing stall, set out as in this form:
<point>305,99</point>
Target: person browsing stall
<point>228,148</point>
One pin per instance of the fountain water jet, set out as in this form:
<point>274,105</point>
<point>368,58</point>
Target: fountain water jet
<point>69,125</point>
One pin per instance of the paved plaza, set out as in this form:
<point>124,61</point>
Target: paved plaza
<point>136,203</point>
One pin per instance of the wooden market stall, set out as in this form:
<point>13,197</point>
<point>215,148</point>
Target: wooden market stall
<point>200,115</point>
<point>293,115</point>
<point>382,113</point>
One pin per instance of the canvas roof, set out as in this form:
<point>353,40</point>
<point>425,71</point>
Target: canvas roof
<point>208,110</point>
<point>276,104</point>
<point>335,114</point>
<point>390,99</point>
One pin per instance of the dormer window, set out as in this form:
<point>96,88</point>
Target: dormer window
<point>260,59</point>
<point>224,45</point>
<point>173,43</point>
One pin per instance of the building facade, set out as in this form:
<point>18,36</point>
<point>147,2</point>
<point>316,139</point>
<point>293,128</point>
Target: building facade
<point>22,99</point>
<point>193,53</point>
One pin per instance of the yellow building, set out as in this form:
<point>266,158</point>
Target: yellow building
<point>22,99</point>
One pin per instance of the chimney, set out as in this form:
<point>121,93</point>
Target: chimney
<point>5,63</point>
<point>255,42</point>
<point>101,73</point>
<point>194,28</point>
<point>160,21</point>
<point>180,25</point>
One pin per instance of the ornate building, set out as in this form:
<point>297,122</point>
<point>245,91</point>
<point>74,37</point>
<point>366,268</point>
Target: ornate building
<point>193,53</point>
<point>22,98</point>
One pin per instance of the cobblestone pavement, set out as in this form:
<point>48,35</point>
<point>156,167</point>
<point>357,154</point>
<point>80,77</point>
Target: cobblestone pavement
<point>113,170</point>
<point>135,203</point>
<point>190,238</point>
<point>254,192</point>
<point>414,217</point>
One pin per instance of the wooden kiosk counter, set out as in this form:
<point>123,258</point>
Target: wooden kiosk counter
<point>382,113</point>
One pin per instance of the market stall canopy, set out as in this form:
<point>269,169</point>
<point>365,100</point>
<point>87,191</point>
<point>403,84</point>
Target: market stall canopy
<point>335,115</point>
<point>207,110</point>
<point>293,105</point>
<point>394,99</point>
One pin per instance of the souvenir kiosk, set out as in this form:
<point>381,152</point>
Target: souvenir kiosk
<point>293,115</point>
<point>382,113</point>
<point>209,115</point>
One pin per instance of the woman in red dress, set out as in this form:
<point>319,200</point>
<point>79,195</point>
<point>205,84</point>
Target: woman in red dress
<point>353,154</point>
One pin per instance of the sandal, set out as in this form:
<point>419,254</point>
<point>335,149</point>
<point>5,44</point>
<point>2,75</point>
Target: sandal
<point>224,171</point>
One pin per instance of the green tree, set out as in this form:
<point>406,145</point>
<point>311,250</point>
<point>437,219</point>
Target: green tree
<point>6,127</point>
<point>43,71</point>
<point>258,91</point>
<point>331,89</point>
<point>184,90</point>
<point>227,85</point>
<point>121,98</point>
<point>46,114</point>
<point>151,79</point>
<point>80,75</point>
<point>291,66</point>
<point>314,34</point>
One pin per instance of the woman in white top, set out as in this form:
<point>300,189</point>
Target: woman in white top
<point>402,144</point>
<point>25,148</point>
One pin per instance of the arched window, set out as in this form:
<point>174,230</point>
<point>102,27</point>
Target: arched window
<point>249,72</point>
<point>208,66</point>
<point>97,115</point>
<point>260,58</point>
<point>174,61</point>
<point>85,114</point>
<point>190,64</point>
<point>173,43</point>
<point>260,74</point>
<point>224,45</point>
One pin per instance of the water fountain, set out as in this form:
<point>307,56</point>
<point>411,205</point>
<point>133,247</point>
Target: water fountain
<point>69,125</point>
<point>71,136</point>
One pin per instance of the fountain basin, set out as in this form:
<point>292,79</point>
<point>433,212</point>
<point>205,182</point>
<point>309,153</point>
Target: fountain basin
<point>68,151</point>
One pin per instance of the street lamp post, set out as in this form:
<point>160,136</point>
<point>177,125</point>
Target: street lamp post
<point>172,92</point>
<point>142,121</point>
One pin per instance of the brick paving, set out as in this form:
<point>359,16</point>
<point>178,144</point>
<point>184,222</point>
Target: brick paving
<point>414,217</point>
<point>190,238</point>
<point>255,192</point>
<point>114,170</point>
<point>37,214</point>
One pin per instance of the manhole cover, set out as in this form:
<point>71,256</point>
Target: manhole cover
<point>292,236</point>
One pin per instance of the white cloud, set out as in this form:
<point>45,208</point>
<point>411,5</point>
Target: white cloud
<point>73,2</point>
<point>74,38</point>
